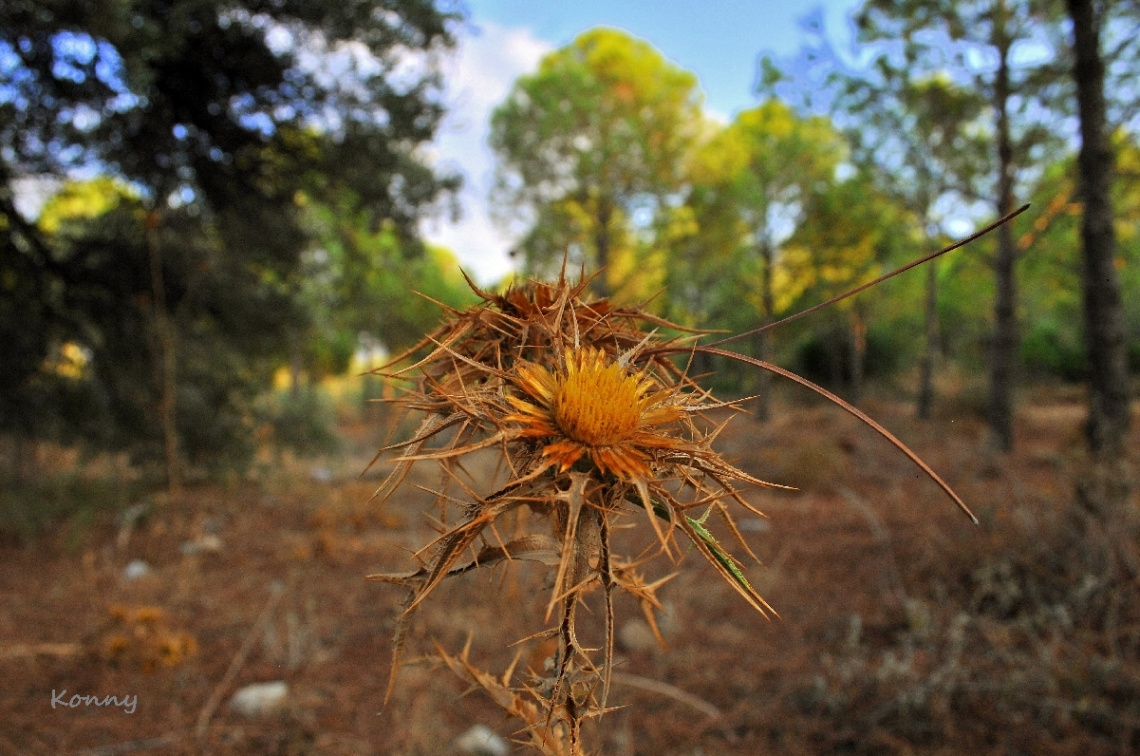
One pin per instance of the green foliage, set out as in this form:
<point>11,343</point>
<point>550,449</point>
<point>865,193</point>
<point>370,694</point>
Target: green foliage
<point>1050,349</point>
<point>358,279</point>
<point>913,131</point>
<point>1055,345</point>
<point>226,318</point>
<point>33,507</point>
<point>206,158</point>
<point>824,355</point>
<point>590,144</point>
<point>854,229</point>
<point>303,421</point>
<point>748,187</point>
<point>921,107</point>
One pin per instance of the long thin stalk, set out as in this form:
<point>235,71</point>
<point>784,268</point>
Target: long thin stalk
<point>880,279</point>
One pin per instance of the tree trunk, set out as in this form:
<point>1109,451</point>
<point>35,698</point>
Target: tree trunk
<point>296,366</point>
<point>165,358</point>
<point>857,353</point>
<point>1004,344</point>
<point>764,338</point>
<point>1105,341</point>
<point>836,353</point>
<point>926,368</point>
<point>602,250</point>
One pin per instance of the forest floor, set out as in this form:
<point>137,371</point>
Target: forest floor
<point>903,628</point>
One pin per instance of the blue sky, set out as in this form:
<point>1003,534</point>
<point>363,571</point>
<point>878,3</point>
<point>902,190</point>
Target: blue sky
<point>718,40</point>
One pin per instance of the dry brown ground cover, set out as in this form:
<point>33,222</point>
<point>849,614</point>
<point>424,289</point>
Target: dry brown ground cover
<point>904,629</point>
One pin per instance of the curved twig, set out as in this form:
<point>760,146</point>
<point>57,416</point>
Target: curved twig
<point>850,408</point>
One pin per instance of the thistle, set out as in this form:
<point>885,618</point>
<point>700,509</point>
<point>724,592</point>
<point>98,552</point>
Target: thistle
<point>595,425</point>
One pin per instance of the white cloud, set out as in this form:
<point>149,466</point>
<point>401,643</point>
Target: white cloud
<point>716,116</point>
<point>478,77</point>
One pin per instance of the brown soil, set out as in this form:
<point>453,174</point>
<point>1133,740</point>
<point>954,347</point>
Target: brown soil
<point>903,629</point>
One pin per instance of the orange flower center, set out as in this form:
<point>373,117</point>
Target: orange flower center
<point>595,403</point>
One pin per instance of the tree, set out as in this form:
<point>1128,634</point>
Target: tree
<point>851,228</point>
<point>226,321</point>
<point>974,42</point>
<point>914,134</point>
<point>357,279</point>
<point>215,115</point>
<point>1105,339</point>
<point>918,139</point>
<point>750,182</point>
<point>591,147</point>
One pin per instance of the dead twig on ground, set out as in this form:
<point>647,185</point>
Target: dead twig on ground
<point>670,691</point>
<point>129,746</point>
<point>24,650</point>
<point>277,592</point>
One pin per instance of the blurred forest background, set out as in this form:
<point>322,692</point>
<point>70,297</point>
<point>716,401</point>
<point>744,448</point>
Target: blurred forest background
<point>210,213</point>
<point>196,200</point>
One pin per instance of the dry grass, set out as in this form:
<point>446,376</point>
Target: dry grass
<point>903,630</point>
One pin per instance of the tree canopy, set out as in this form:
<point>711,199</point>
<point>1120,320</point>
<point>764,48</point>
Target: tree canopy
<point>592,146</point>
<point>226,189</point>
<point>215,118</point>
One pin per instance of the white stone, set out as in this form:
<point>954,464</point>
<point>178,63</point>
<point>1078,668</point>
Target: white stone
<point>259,698</point>
<point>754,525</point>
<point>636,636</point>
<point>481,740</point>
<point>207,543</point>
<point>135,570</point>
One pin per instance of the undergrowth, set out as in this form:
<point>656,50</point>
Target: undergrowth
<point>1034,647</point>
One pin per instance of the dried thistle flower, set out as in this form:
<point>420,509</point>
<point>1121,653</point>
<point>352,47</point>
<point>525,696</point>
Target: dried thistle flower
<point>596,407</point>
<point>593,425</point>
<point>593,422</point>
